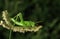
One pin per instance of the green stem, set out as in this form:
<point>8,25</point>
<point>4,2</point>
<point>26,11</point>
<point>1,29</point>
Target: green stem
<point>15,6</point>
<point>10,34</point>
<point>6,4</point>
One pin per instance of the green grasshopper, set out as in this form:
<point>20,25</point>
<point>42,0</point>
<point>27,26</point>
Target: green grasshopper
<point>22,22</point>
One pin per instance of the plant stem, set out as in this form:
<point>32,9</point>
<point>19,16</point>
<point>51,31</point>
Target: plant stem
<point>6,4</point>
<point>10,34</point>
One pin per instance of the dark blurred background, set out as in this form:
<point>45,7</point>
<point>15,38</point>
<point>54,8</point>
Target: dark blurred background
<point>47,11</point>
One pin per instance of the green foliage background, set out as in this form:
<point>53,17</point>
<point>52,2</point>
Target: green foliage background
<point>47,11</point>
